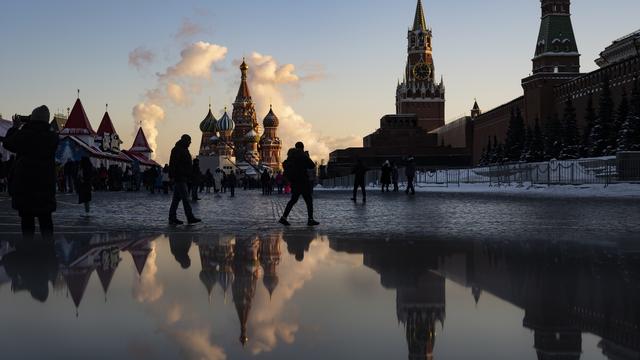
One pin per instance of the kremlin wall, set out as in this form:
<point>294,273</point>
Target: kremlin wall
<point>418,129</point>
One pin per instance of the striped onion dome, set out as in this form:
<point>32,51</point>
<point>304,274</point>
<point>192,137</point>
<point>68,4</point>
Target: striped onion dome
<point>208,125</point>
<point>226,123</point>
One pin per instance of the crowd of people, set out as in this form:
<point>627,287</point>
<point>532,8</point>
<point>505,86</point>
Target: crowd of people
<point>389,175</point>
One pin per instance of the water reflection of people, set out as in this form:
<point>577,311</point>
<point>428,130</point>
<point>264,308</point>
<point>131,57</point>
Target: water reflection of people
<point>298,243</point>
<point>180,245</point>
<point>31,266</point>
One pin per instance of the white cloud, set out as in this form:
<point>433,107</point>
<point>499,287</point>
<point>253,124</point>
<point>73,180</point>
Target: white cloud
<point>196,61</point>
<point>148,115</point>
<point>268,81</point>
<point>176,85</point>
<point>177,94</point>
<point>141,57</point>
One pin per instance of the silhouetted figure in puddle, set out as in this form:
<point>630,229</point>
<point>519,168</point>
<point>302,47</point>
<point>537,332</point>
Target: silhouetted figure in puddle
<point>296,169</point>
<point>33,177</point>
<point>180,171</point>
<point>31,267</point>
<point>360,173</point>
<point>298,244</point>
<point>85,177</point>
<point>180,249</point>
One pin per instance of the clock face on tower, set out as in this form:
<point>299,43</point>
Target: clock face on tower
<point>421,71</point>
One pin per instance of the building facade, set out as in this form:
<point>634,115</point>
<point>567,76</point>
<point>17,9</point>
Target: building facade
<point>237,141</point>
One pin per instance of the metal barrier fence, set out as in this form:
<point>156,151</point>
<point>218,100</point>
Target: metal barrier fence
<point>604,171</point>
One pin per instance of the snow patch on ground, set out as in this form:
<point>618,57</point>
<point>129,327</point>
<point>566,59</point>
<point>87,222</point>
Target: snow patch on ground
<point>625,190</point>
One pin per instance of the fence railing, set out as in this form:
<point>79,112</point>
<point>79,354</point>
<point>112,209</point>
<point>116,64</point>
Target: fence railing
<point>604,171</point>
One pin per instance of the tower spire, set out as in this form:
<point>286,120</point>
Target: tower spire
<point>419,23</point>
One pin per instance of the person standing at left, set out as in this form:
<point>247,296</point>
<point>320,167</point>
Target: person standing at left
<point>33,178</point>
<point>85,181</point>
<point>180,171</point>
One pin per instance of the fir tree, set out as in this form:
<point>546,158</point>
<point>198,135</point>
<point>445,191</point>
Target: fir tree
<point>515,136</point>
<point>601,132</point>
<point>495,153</point>
<point>589,120</point>
<point>629,137</point>
<point>620,119</point>
<point>526,149</point>
<point>537,143</point>
<point>570,136</point>
<point>552,138</point>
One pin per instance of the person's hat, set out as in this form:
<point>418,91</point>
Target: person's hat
<point>40,114</point>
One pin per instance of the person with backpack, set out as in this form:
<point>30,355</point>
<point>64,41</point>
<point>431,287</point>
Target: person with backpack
<point>296,170</point>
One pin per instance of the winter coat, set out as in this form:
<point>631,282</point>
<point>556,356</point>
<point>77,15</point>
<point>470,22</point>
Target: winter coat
<point>180,163</point>
<point>359,171</point>
<point>385,177</point>
<point>85,176</point>
<point>33,177</point>
<point>296,168</point>
<point>410,170</point>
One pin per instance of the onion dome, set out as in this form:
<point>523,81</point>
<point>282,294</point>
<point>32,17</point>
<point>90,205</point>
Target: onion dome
<point>252,136</point>
<point>271,120</point>
<point>226,124</point>
<point>208,125</point>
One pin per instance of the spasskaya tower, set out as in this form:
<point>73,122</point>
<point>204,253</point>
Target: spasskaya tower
<point>419,93</point>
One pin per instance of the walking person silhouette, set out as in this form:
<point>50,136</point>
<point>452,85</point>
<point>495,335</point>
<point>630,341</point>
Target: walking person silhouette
<point>296,171</point>
<point>180,171</point>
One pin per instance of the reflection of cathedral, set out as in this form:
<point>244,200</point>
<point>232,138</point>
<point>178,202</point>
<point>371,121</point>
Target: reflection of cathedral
<point>238,141</point>
<point>238,263</point>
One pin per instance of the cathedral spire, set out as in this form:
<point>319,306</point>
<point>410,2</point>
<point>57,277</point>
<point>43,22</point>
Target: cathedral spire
<point>419,23</point>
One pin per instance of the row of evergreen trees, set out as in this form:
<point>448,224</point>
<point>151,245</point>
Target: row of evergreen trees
<point>606,131</point>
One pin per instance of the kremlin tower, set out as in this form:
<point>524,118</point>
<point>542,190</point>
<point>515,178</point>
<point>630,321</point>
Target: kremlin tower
<point>419,93</point>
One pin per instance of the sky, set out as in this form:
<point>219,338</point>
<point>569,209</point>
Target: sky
<point>329,68</point>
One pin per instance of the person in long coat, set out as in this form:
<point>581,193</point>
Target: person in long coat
<point>385,177</point>
<point>85,178</point>
<point>33,176</point>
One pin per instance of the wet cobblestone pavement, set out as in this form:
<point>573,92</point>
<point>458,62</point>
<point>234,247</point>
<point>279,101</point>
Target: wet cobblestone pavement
<point>511,277</point>
<point>432,215</point>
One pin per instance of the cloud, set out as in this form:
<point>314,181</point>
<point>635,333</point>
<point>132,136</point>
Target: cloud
<point>141,57</point>
<point>195,344</point>
<point>269,81</point>
<point>267,326</point>
<point>176,94</point>
<point>189,29</point>
<point>196,61</point>
<point>148,115</point>
<point>175,86</point>
<point>149,289</point>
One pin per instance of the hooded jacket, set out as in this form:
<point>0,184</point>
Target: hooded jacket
<point>180,163</point>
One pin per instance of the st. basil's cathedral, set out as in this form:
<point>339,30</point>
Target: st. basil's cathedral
<point>236,141</point>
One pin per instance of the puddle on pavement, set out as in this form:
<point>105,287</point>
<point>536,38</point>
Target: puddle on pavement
<point>297,295</point>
